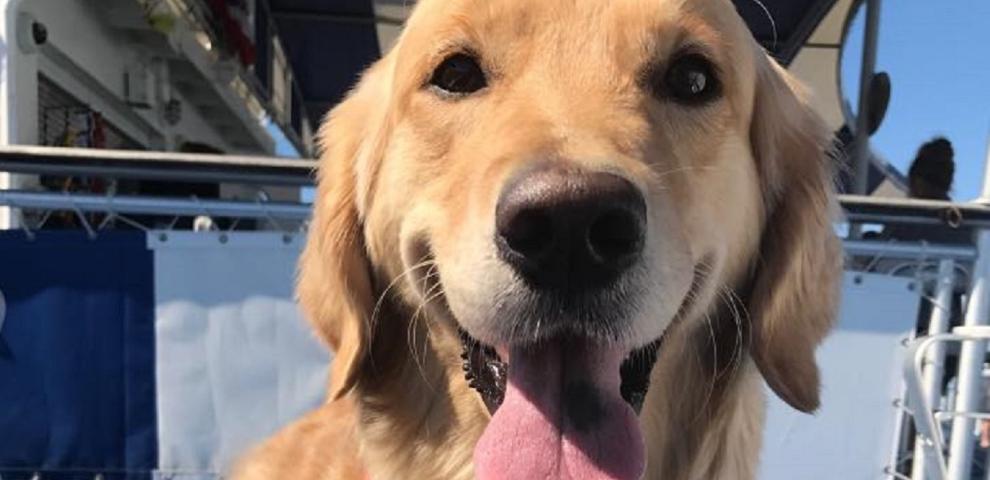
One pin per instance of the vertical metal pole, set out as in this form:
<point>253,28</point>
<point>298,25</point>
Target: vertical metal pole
<point>935,357</point>
<point>868,64</point>
<point>971,357</point>
<point>867,69</point>
<point>984,199</point>
<point>8,47</point>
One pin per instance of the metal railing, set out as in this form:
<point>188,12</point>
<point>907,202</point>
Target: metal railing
<point>922,372</point>
<point>190,167</point>
<point>936,454</point>
<point>177,167</point>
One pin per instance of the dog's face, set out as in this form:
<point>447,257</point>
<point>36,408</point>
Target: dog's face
<point>561,181</point>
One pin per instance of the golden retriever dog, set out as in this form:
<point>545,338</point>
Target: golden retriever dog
<point>563,239</point>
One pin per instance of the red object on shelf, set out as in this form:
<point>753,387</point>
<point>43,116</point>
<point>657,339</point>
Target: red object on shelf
<point>99,131</point>
<point>236,41</point>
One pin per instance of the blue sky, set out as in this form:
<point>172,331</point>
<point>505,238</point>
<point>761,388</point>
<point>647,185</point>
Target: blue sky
<point>938,56</point>
<point>283,147</point>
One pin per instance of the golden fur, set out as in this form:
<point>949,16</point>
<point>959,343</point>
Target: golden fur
<point>740,188</point>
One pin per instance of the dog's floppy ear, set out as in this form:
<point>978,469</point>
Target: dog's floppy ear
<point>334,284</point>
<point>794,290</point>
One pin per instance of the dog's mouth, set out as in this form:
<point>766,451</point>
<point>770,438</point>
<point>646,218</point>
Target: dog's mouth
<point>567,404</point>
<point>486,372</point>
<point>559,406</point>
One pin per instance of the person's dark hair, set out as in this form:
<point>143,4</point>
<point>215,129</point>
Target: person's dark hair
<point>934,164</point>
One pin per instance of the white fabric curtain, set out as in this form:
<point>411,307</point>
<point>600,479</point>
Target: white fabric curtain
<point>235,360</point>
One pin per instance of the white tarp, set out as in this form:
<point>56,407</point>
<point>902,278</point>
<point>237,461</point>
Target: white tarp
<point>852,436</point>
<point>235,361</point>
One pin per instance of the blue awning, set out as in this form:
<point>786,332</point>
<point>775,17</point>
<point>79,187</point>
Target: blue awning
<point>329,42</point>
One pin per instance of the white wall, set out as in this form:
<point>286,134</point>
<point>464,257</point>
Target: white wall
<point>76,31</point>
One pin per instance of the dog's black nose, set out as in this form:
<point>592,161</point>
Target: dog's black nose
<point>563,228</point>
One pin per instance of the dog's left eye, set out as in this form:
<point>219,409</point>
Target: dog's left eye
<point>690,79</point>
<point>459,74</point>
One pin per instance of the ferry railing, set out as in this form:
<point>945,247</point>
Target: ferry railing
<point>143,165</point>
<point>937,267</point>
<point>936,457</point>
<point>935,464</point>
<point>933,366</point>
<point>194,167</point>
<point>153,205</point>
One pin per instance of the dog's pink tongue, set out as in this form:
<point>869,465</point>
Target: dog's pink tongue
<point>562,418</point>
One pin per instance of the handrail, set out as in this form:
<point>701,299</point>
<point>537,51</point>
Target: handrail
<point>190,167</point>
<point>908,250</point>
<point>195,167</point>
<point>925,418</point>
<point>153,205</point>
<point>866,209</point>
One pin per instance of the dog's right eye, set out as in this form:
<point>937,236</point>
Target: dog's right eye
<point>459,74</point>
<point>690,79</point>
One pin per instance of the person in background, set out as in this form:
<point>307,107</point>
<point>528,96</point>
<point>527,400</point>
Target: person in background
<point>930,177</point>
<point>931,173</point>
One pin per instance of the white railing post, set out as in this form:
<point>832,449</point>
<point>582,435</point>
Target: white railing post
<point>971,358</point>
<point>935,356</point>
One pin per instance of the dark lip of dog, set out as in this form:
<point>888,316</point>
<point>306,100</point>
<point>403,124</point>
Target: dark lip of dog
<point>486,372</point>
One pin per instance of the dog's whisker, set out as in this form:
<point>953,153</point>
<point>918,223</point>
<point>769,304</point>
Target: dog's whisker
<point>699,365</point>
<point>434,291</point>
<point>735,309</point>
<point>376,311</point>
<point>773,22</point>
<point>744,317</point>
<point>705,269</point>
<point>419,356</point>
<point>395,281</point>
<point>425,263</point>
<point>713,379</point>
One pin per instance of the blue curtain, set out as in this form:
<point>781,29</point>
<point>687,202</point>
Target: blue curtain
<point>77,358</point>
